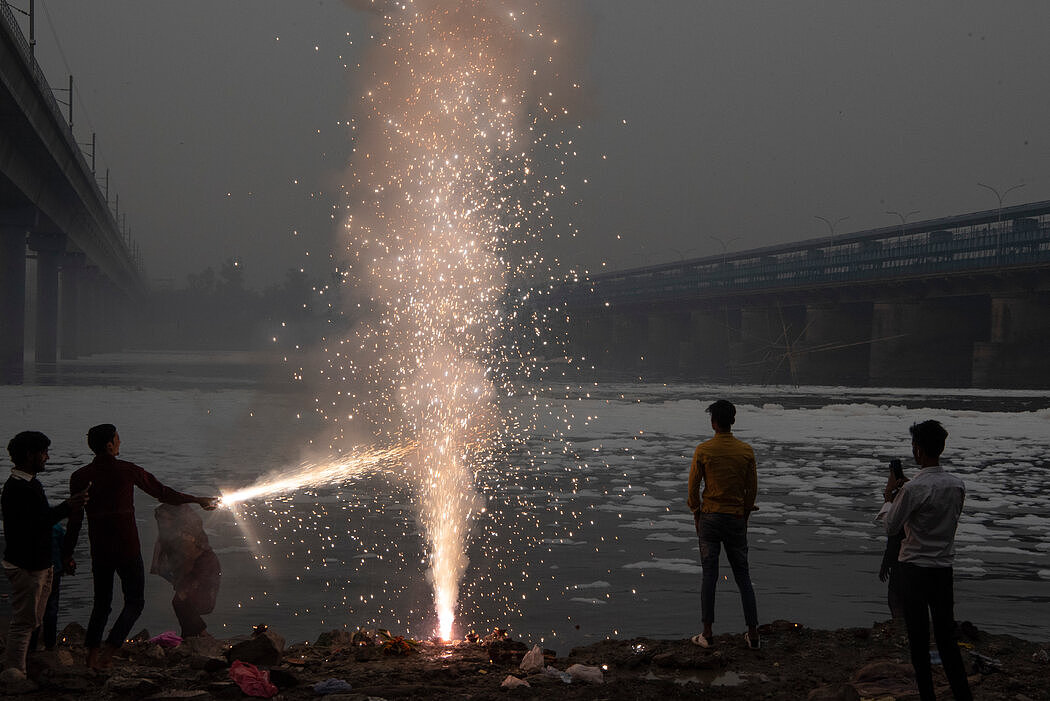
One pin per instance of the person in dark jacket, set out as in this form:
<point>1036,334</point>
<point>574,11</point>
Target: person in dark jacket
<point>28,519</point>
<point>114,537</point>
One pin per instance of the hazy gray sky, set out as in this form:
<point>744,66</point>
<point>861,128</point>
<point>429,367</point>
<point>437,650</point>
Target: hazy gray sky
<point>744,120</point>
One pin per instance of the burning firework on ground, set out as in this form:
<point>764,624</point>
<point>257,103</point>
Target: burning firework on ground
<point>445,207</point>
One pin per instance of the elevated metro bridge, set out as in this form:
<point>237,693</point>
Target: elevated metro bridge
<point>53,211</point>
<point>955,301</point>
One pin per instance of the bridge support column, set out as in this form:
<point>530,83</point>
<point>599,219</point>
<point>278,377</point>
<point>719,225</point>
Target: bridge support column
<point>666,332</point>
<point>765,352</point>
<point>12,302</point>
<point>48,248</point>
<point>614,341</point>
<point>71,291</point>
<point>88,332</point>
<point>1019,341</point>
<point>927,343</point>
<point>705,352</point>
<point>835,346</point>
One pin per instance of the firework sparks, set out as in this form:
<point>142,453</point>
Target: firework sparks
<point>444,208</point>
<point>335,471</point>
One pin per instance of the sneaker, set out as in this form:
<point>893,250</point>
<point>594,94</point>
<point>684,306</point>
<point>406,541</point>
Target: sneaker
<point>700,640</point>
<point>755,643</point>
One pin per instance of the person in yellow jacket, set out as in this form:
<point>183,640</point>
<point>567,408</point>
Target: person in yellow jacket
<point>726,467</point>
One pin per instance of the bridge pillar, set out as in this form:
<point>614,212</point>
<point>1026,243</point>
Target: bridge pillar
<point>88,332</point>
<point>927,343</point>
<point>666,331</point>
<point>1019,340</point>
<point>835,345</point>
<point>12,302</point>
<point>48,248</point>
<point>614,341</point>
<point>71,291</point>
<point>704,354</point>
<point>765,351</point>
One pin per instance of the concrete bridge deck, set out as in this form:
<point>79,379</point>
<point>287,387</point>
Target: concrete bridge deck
<point>53,210</point>
<point>956,301</point>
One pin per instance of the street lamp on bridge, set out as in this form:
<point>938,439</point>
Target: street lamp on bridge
<point>1001,196</point>
<point>725,245</point>
<point>902,217</point>
<point>831,225</point>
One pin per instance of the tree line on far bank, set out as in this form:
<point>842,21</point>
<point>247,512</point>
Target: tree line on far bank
<point>216,311</point>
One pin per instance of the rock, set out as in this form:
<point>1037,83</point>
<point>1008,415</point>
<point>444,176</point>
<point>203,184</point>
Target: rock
<point>836,692</point>
<point>69,679</point>
<point>141,637</point>
<point>225,689</point>
<point>335,638</point>
<point>73,634</point>
<point>532,661</point>
<point>283,679</point>
<point>152,655</point>
<point>885,678</point>
<point>204,645</point>
<point>693,658</point>
<point>585,673</point>
<point>506,650</point>
<point>208,664</point>
<point>512,682</point>
<point>64,658</point>
<point>137,686</point>
<point>179,695</point>
<point>265,648</point>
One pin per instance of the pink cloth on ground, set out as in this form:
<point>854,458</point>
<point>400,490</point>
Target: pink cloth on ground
<point>168,638</point>
<point>252,680</point>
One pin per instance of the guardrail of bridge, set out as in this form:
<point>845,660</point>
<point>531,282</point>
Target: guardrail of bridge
<point>14,30</point>
<point>985,248</point>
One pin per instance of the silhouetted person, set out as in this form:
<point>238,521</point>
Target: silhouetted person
<point>114,538</point>
<point>28,519</point>
<point>927,509</point>
<point>184,557</point>
<point>728,470</point>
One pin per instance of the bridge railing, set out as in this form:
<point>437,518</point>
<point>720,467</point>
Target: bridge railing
<point>14,30</point>
<point>1001,245</point>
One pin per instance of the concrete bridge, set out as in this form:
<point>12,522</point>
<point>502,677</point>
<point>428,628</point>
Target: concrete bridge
<point>954,302</point>
<point>56,222</point>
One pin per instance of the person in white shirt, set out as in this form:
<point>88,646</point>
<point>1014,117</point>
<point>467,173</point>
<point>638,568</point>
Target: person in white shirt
<point>927,510</point>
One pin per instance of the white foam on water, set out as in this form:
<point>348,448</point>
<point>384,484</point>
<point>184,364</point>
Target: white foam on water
<point>669,564</point>
<point>669,538</point>
<point>598,584</point>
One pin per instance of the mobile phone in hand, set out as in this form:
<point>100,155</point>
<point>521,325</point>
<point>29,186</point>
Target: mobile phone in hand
<point>895,469</point>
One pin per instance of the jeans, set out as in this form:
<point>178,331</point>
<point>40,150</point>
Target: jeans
<point>716,531</point>
<point>29,592</point>
<point>928,593</point>
<point>132,585</point>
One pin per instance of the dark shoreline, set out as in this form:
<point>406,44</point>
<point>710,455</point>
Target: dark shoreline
<point>794,662</point>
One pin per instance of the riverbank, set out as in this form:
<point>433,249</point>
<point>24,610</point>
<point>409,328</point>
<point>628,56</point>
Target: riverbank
<point>794,662</point>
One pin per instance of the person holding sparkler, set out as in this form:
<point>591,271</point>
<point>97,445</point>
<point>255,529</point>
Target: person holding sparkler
<point>114,537</point>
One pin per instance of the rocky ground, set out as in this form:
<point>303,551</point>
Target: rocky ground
<point>794,663</point>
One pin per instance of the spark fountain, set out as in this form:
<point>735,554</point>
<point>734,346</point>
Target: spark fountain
<point>445,207</point>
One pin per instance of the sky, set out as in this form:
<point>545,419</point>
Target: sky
<point>708,125</point>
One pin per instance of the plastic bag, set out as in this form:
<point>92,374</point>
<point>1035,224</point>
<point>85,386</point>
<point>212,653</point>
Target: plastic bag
<point>586,674</point>
<point>252,680</point>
